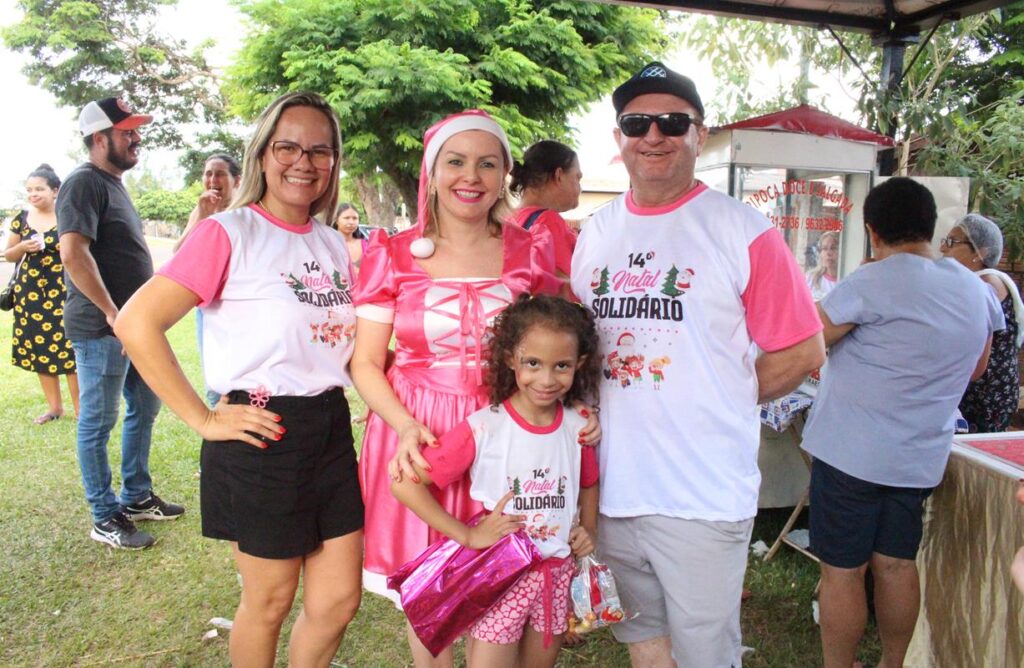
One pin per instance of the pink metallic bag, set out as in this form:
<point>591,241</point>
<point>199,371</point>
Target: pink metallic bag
<point>449,587</point>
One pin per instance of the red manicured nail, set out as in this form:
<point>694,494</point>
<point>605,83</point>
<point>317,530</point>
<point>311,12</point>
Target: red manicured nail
<point>277,418</point>
<point>262,446</point>
<point>283,431</point>
<point>584,412</point>
<point>277,437</point>
<point>416,478</point>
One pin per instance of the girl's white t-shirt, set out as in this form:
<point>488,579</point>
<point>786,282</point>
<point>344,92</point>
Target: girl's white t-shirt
<point>545,467</point>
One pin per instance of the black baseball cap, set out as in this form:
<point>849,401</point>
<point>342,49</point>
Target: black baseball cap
<point>656,78</point>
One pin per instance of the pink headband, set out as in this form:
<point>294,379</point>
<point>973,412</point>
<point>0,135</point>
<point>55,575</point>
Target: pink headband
<point>442,131</point>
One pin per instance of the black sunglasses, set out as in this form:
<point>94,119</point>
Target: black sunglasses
<point>675,124</point>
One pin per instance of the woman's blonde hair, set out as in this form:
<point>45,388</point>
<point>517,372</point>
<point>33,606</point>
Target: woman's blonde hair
<point>821,269</point>
<point>254,183</point>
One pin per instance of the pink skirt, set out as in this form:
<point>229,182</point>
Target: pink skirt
<point>440,399</point>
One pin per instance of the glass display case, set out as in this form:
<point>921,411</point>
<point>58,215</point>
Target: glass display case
<point>807,172</point>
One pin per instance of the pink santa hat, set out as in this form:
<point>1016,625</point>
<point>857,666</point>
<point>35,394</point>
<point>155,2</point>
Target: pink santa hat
<point>434,139</point>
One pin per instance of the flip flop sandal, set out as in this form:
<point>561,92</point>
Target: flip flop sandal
<point>46,417</point>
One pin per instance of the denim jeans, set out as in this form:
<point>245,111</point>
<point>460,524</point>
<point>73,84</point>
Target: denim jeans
<point>104,375</point>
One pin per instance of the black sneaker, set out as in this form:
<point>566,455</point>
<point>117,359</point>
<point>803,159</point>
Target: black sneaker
<point>120,532</point>
<point>153,508</point>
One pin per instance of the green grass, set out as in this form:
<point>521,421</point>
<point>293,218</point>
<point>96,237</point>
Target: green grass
<point>66,600</point>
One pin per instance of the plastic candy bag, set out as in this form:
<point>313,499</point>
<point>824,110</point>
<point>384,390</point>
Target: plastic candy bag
<point>449,587</point>
<point>595,598</point>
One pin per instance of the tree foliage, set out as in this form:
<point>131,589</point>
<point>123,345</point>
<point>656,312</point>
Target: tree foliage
<point>169,206</point>
<point>988,148</point>
<point>84,50</point>
<point>392,68</point>
<point>218,140</point>
<point>744,53</point>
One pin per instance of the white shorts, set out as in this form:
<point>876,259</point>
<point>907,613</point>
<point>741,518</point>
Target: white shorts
<point>684,578</point>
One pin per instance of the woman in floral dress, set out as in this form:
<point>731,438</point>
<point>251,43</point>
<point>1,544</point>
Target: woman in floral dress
<point>38,342</point>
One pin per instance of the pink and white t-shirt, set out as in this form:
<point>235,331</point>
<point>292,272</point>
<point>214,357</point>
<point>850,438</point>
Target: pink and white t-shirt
<point>277,309</point>
<point>685,295</point>
<point>544,466</point>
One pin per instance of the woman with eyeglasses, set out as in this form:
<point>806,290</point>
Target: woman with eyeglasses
<point>279,468</point>
<point>990,402</point>
<point>823,277</point>
<point>547,182</point>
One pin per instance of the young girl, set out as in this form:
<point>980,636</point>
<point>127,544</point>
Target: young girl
<point>523,450</point>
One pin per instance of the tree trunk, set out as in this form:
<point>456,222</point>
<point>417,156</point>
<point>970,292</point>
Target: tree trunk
<point>408,186</point>
<point>380,200</point>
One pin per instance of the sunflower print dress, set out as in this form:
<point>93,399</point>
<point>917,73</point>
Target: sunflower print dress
<point>38,341</point>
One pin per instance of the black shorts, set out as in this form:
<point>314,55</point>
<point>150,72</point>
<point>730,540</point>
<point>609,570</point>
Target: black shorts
<point>852,518</point>
<point>284,501</point>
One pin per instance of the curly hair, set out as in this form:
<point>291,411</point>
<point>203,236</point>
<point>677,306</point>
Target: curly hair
<point>558,315</point>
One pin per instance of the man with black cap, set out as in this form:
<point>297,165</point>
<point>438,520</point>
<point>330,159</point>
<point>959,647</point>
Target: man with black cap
<point>706,286</point>
<point>106,260</point>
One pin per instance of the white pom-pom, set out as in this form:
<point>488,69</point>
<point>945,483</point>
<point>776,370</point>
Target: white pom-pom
<point>422,248</point>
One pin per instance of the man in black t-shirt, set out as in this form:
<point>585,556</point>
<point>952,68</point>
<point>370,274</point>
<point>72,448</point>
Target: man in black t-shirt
<point>105,261</point>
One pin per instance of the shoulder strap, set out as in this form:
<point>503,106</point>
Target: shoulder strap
<point>532,218</point>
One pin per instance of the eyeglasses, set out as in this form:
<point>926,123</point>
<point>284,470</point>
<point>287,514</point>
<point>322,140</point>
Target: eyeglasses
<point>950,242</point>
<point>288,153</point>
<point>675,124</point>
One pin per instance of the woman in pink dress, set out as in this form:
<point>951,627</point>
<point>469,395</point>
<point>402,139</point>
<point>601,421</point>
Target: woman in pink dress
<point>436,287</point>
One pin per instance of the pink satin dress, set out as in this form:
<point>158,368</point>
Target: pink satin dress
<point>440,329</point>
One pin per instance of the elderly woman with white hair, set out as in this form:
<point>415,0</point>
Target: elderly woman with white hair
<point>989,402</point>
